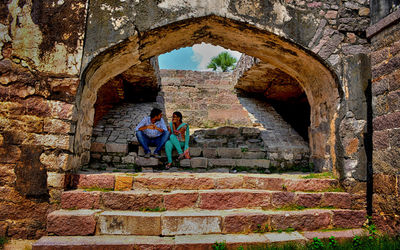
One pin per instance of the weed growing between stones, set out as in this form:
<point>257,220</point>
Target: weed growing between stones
<point>219,246</point>
<point>98,189</point>
<point>156,209</point>
<point>364,243</point>
<point>3,241</point>
<point>291,207</point>
<point>325,175</point>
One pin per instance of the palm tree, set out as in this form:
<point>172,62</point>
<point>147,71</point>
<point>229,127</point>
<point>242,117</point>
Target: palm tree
<point>224,61</point>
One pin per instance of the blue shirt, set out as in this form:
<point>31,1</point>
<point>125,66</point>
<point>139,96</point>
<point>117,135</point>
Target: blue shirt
<point>152,133</point>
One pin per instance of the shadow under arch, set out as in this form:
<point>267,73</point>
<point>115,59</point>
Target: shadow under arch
<point>320,84</point>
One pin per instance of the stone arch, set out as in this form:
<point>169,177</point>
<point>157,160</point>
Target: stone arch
<point>318,81</point>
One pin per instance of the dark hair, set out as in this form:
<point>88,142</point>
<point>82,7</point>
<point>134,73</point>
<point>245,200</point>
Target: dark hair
<point>178,114</point>
<point>155,112</point>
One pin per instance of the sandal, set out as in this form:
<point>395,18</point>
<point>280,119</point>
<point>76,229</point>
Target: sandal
<point>168,165</point>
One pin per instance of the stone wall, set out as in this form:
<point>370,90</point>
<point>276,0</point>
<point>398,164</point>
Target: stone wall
<point>385,60</point>
<point>39,76</point>
<point>206,99</point>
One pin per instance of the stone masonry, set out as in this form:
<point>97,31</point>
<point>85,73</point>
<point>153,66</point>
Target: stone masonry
<point>56,55</point>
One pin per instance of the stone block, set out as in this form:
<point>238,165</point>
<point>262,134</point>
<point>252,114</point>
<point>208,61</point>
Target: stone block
<point>209,153</point>
<point>174,183</point>
<point>245,222</point>
<point>337,200</point>
<point>251,133</point>
<point>198,162</point>
<point>7,174</point>
<point>253,163</point>
<point>265,183</point>
<point>123,183</point>
<point>10,154</point>
<point>254,155</point>
<point>130,223</point>
<point>215,163</point>
<point>78,199</point>
<point>132,200</point>
<point>179,200</point>
<point>282,199</point>
<point>384,184</point>
<point>339,235</point>
<point>229,182</point>
<point>348,218</point>
<point>395,138</point>
<point>105,181</point>
<point>56,180</point>
<point>310,185</point>
<point>117,148</point>
<point>181,223</point>
<point>195,151</point>
<point>301,220</point>
<point>185,163</point>
<point>381,139</point>
<point>75,222</point>
<point>56,126</point>
<point>147,162</point>
<point>234,153</point>
<point>218,200</point>
<point>308,200</point>
<point>227,131</point>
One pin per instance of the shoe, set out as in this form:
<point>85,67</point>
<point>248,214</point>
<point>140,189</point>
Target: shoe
<point>168,166</point>
<point>181,156</point>
<point>147,155</point>
<point>158,156</point>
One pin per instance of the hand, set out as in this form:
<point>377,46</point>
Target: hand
<point>152,126</point>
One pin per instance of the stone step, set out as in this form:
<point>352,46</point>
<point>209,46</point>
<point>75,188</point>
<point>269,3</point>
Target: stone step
<point>200,242</point>
<point>219,152</point>
<point>138,200</point>
<point>196,222</point>
<point>200,181</point>
<point>206,163</point>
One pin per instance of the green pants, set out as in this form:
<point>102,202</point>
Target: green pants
<point>170,144</point>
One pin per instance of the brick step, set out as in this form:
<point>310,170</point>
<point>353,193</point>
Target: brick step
<point>138,200</point>
<point>196,222</point>
<point>200,181</point>
<point>200,242</point>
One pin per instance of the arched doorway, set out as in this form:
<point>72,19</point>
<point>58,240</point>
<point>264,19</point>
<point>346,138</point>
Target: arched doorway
<point>319,83</point>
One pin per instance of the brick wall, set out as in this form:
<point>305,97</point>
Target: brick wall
<point>385,62</point>
<point>206,99</point>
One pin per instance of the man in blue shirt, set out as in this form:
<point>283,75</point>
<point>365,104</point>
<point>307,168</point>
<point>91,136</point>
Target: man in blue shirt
<point>151,131</point>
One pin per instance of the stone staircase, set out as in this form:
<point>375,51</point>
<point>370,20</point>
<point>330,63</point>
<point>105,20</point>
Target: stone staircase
<point>196,210</point>
<point>223,149</point>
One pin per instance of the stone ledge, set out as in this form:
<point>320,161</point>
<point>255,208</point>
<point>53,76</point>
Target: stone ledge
<point>383,23</point>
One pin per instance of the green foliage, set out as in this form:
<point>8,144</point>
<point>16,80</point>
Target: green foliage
<point>3,241</point>
<point>156,209</point>
<point>223,61</point>
<point>325,175</point>
<point>332,243</point>
<point>243,149</point>
<point>219,246</point>
<point>357,243</point>
<point>317,244</point>
<point>291,207</point>
<point>99,189</point>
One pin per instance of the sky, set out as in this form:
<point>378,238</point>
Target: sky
<point>193,58</point>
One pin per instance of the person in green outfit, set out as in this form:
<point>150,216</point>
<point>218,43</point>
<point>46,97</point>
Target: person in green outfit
<point>179,137</point>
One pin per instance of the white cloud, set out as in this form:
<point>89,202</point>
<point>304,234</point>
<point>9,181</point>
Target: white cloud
<point>204,52</point>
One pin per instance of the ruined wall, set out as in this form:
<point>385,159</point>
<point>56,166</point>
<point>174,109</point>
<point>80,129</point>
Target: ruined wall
<point>41,45</point>
<point>206,99</point>
<point>385,60</point>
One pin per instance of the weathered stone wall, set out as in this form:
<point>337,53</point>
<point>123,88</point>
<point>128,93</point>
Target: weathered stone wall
<point>41,45</point>
<point>206,99</point>
<point>385,60</point>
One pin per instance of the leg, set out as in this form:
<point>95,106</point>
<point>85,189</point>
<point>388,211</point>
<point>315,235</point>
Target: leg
<point>168,150</point>
<point>160,141</point>
<point>143,140</point>
<point>176,143</point>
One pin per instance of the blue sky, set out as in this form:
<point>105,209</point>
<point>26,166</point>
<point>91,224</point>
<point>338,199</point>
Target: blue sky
<point>192,58</point>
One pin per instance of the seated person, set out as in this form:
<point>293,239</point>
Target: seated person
<point>179,138</point>
<point>151,131</point>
